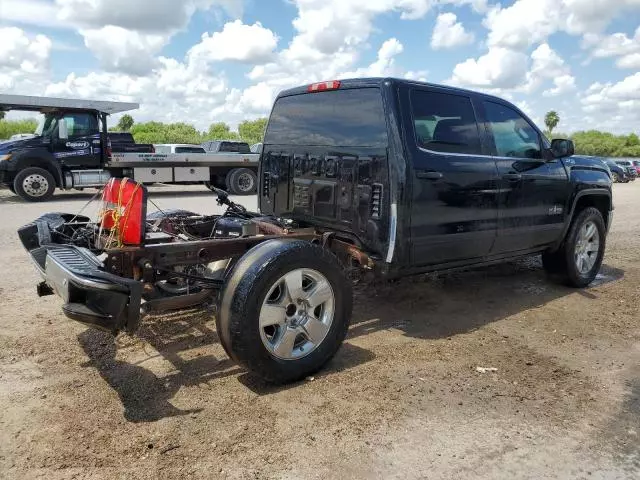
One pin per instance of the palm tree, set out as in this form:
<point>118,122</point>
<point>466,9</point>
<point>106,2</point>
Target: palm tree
<point>551,120</point>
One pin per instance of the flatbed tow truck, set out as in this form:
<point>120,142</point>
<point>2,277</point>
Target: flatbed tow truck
<point>71,150</point>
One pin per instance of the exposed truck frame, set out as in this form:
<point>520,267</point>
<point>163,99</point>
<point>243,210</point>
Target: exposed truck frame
<point>352,187</point>
<point>67,158</point>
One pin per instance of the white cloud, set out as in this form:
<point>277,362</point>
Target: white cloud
<point>173,92</point>
<point>546,65</point>
<point>18,51</point>
<point>478,6</point>
<point>122,50</point>
<point>384,64</point>
<point>615,105</point>
<point>24,60</point>
<point>527,22</point>
<point>504,70</point>
<point>584,16</point>
<point>124,35</point>
<point>627,50</point>
<point>500,68</point>
<point>236,42</point>
<point>448,33</point>
<point>563,84</point>
<point>30,12</point>
<point>522,24</point>
<point>631,61</point>
<point>139,15</point>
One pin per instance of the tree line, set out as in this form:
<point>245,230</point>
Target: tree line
<point>595,142</point>
<point>592,142</point>
<point>250,131</point>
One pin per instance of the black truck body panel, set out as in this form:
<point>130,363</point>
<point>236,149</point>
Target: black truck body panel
<point>439,206</point>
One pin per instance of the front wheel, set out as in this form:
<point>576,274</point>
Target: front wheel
<point>579,259</point>
<point>615,177</point>
<point>34,184</point>
<point>284,310</point>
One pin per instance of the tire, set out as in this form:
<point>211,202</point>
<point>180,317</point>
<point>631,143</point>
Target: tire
<point>242,181</point>
<point>34,184</point>
<point>577,262</point>
<point>615,177</point>
<point>262,275</point>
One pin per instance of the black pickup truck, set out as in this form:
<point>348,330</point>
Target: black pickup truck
<point>359,179</point>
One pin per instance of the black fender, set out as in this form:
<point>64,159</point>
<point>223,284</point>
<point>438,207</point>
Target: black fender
<point>38,157</point>
<point>600,193</point>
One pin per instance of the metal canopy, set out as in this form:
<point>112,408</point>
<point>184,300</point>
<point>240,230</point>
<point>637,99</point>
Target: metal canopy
<point>40,104</point>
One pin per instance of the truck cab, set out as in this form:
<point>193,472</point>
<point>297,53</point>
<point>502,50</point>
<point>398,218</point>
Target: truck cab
<point>422,176</point>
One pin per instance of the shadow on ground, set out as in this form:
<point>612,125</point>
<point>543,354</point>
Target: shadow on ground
<point>429,307</point>
<point>442,305</point>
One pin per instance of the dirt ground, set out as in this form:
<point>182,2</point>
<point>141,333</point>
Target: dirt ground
<point>402,399</point>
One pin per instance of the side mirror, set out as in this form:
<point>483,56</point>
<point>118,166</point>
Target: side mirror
<point>562,147</point>
<point>63,133</point>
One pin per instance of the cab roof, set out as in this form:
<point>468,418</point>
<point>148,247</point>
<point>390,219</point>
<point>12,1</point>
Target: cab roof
<point>380,81</point>
<point>43,104</point>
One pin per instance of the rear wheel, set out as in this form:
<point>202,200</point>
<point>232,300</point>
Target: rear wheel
<point>34,184</point>
<point>299,313</point>
<point>242,181</point>
<point>616,177</point>
<point>579,259</point>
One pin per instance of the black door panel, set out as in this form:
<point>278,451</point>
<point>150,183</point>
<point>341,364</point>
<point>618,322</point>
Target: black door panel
<point>83,147</point>
<point>533,192</point>
<point>454,185</point>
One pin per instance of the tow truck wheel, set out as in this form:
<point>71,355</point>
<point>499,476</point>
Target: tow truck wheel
<point>242,181</point>
<point>284,310</point>
<point>34,184</point>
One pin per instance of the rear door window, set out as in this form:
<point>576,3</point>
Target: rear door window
<point>346,118</point>
<point>445,123</point>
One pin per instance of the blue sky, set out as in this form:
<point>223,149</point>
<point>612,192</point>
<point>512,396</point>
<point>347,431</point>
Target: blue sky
<point>579,57</point>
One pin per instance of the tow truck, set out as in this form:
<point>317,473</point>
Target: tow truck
<point>70,149</point>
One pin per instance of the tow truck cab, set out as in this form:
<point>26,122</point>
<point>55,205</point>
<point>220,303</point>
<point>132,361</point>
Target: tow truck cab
<point>68,150</point>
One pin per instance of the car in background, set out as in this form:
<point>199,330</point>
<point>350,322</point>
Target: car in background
<point>21,136</point>
<point>629,168</point>
<point>178,148</point>
<point>618,173</point>
<point>123,142</point>
<point>636,165</point>
<point>226,146</point>
<point>256,148</point>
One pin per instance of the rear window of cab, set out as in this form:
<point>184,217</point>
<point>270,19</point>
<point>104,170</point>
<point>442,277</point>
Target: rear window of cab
<point>348,118</point>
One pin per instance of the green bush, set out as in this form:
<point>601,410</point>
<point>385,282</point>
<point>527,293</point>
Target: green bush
<point>12,127</point>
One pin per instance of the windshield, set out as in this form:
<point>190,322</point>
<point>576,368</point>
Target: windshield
<point>46,125</point>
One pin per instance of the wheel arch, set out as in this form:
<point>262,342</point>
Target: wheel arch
<point>44,162</point>
<point>597,198</point>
